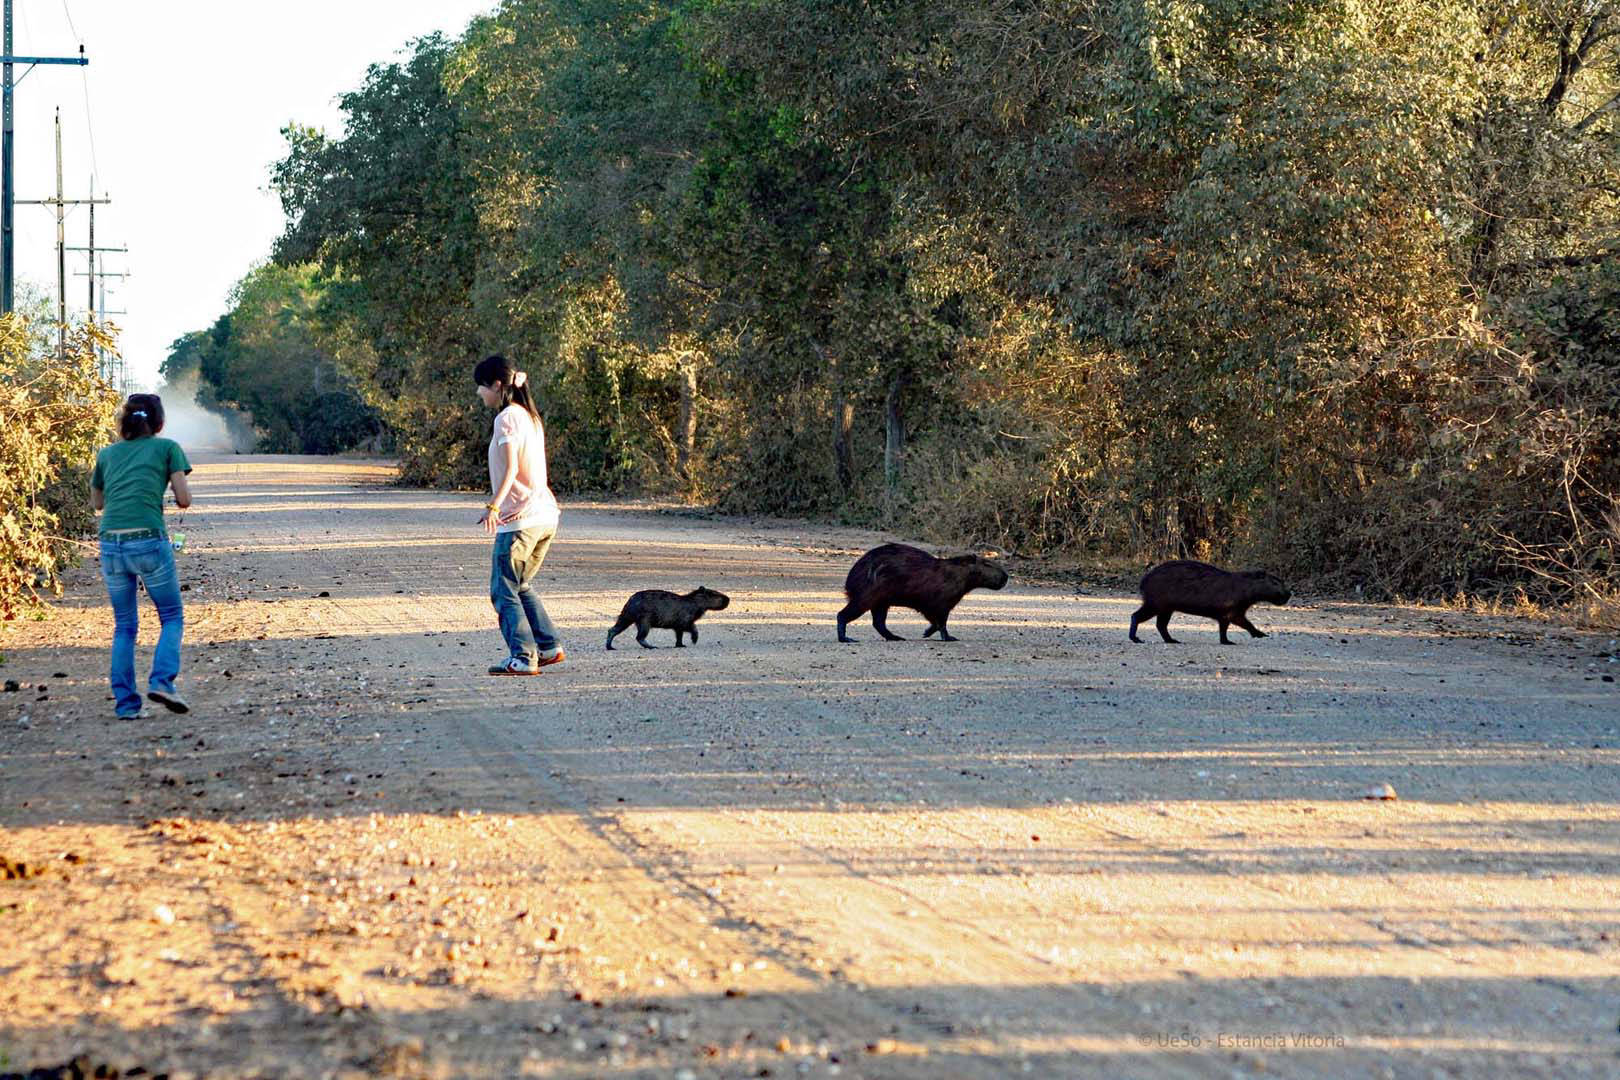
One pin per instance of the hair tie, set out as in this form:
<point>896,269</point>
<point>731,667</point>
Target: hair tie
<point>137,412</point>
<point>519,378</point>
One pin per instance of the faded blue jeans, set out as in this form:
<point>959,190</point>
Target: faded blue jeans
<point>525,625</point>
<point>150,560</point>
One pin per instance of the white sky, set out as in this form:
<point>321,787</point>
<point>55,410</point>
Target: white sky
<point>186,100</point>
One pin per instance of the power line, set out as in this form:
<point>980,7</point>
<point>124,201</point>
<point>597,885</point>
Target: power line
<point>89,124</point>
<point>84,79</point>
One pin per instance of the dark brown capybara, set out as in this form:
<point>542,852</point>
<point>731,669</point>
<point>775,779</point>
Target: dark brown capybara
<point>657,609</point>
<point>1196,588</point>
<point>897,575</point>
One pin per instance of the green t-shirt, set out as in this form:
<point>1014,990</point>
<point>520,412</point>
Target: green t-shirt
<point>132,476</point>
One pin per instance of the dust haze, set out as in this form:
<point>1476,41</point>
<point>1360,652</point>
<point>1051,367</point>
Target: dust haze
<point>197,428</point>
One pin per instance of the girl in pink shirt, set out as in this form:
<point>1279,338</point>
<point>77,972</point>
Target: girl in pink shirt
<point>522,514</point>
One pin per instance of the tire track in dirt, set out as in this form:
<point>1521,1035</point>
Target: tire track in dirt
<point>1040,850</point>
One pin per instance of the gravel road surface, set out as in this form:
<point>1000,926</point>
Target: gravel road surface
<point>1040,850</point>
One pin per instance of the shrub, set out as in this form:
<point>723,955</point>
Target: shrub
<point>54,414</point>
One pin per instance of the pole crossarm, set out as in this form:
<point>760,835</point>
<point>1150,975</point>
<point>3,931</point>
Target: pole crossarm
<point>9,63</point>
<point>78,61</point>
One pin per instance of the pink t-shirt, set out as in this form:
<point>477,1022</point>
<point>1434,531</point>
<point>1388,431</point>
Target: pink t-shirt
<point>530,504</point>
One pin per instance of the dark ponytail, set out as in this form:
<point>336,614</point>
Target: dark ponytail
<point>142,415</point>
<point>498,369</point>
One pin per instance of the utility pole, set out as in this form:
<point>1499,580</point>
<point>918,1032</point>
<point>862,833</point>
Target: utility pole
<point>8,184</point>
<point>61,205</point>
<point>90,304</point>
<point>99,276</point>
<point>94,252</point>
<point>61,249</point>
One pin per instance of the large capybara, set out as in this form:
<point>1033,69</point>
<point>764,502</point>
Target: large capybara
<point>897,575</point>
<point>655,608</point>
<point>1196,588</point>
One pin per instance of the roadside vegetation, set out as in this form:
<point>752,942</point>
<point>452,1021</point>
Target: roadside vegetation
<point>267,362</point>
<point>1331,286</point>
<point>54,415</point>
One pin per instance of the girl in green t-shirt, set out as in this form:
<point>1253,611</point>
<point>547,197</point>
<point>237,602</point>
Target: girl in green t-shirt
<point>127,487</point>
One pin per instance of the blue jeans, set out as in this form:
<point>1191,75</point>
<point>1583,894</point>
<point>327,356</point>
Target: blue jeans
<point>152,561</point>
<point>525,625</point>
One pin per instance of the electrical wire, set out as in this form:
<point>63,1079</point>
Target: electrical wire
<point>84,80</point>
<point>90,126</point>
<point>27,31</point>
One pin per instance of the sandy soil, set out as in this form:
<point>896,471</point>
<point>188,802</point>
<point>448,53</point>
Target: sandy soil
<point>1041,850</point>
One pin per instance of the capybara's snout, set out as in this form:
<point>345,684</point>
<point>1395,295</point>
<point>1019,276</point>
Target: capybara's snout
<point>710,599</point>
<point>1272,590</point>
<point>984,574</point>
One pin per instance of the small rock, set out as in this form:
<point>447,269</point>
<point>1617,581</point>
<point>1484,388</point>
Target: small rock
<point>12,686</point>
<point>1379,791</point>
<point>163,914</point>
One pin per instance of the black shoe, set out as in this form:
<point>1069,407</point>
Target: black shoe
<point>171,701</point>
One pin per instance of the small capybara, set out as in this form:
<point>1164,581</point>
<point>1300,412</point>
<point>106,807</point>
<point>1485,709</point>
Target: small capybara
<point>1197,588</point>
<point>897,575</point>
<point>666,611</point>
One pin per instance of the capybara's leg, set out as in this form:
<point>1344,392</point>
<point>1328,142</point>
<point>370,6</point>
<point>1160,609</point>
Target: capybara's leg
<point>1242,620</point>
<point>1223,625</point>
<point>851,612</point>
<point>1163,623</point>
<point>944,634</point>
<point>1136,619</point>
<point>679,644</point>
<point>618,628</point>
<point>693,631</point>
<point>643,625</point>
<point>880,621</point>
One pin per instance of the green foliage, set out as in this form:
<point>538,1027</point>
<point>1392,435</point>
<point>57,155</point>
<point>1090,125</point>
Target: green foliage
<point>389,215</point>
<point>54,415</point>
<point>1259,268</point>
<point>1324,283</point>
<point>268,357</point>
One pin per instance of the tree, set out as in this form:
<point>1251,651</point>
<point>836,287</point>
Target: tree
<point>268,358</point>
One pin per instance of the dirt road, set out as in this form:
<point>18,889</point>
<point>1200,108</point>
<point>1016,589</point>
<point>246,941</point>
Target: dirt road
<point>1038,851</point>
